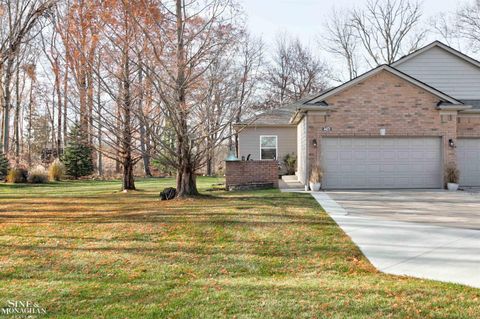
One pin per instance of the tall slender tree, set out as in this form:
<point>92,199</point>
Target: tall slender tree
<point>18,19</point>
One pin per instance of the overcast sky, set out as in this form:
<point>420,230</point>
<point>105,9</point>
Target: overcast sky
<point>304,17</point>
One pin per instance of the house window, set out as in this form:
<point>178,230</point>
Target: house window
<point>268,147</point>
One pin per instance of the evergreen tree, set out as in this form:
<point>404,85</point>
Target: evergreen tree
<point>77,156</point>
<point>4,165</point>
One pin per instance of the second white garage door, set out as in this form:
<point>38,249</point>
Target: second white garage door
<point>468,156</point>
<point>381,162</point>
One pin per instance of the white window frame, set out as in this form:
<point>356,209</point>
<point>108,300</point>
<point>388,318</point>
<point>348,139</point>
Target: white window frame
<point>276,147</point>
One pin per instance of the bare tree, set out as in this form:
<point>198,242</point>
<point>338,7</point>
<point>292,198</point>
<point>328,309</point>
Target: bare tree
<point>310,74</point>
<point>342,41</point>
<point>445,25</point>
<point>194,36</point>
<point>279,73</point>
<point>117,74</point>
<point>388,29</point>
<point>17,20</point>
<point>251,57</point>
<point>468,22</point>
<point>79,31</point>
<point>295,71</point>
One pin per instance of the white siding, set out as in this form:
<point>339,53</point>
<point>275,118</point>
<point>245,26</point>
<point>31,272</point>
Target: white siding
<point>301,150</point>
<point>249,141</point>
<point>445,72</point>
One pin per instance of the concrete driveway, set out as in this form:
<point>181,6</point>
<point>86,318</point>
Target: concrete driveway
<point>425,234</point>
<point>434,207</point>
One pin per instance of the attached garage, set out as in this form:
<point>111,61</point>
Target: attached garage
<point>381,162</point>
<point>468,157</point>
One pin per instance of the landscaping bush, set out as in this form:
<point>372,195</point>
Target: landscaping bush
<point>77,156</point>
<point>17,175</point>
<point>316,175</point>
<point>290,162</point>
<point>56,170</point>
<point>3,166</point>
<point>452,174</point>
<point>38,175</point>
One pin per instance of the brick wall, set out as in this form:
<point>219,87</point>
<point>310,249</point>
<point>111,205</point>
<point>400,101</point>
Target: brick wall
<point>468,125</point>
<point>251,172</point>
<point>383,101</point>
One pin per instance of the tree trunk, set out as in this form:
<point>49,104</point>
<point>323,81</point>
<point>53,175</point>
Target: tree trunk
<point>209,165</point>
<point>6,106</point>
<point>143,139</point>
<point>84,118</point>
<point>30,123</point>
<point>210,159</point>
<point>143,148</point>
<point>60,108</point>
<point>126,107</point>
<point>100,128</point>
<point>2,107</point>
<point>65,104</point>
<point>128,182</point>
<point>17,120</point>
<point>186,182</point>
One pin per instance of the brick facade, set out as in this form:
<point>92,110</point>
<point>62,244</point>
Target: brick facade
<point>387,101</point>
<point>243,173</point>
<point>468,125</point>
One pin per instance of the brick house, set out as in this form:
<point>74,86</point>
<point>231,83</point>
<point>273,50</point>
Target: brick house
<point>396,126</point>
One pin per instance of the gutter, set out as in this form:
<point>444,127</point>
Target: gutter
<point>298,115</point>
<point>470,111</point>
<point>453,107</point>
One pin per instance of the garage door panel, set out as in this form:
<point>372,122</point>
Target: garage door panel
<point>389,155</point>
<point>468,157</point>
<point>360,155</point>
<point>381,162</point>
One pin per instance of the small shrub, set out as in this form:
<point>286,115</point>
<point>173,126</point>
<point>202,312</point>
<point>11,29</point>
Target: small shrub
<point>4,165</point>
<point>56,170</point>
<point>290,162</point>
<point>452,174</point>
<point>316,175</point>
<point>17,175</point>
<point>38,175</point>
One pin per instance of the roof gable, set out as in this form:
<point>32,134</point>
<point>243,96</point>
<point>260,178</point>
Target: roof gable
<point>372,72</point>
<point>444,68</point>
<point>440,45</point>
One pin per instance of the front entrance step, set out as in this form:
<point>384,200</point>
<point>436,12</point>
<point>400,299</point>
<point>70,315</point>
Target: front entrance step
<point>290,178</point>
<point>290,182</point>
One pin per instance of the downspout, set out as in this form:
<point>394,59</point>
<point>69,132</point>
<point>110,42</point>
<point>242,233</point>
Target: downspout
<point>306,151</point>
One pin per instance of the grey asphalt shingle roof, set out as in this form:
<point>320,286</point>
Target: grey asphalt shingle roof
<point>279,116</point>
<point>474,103</point>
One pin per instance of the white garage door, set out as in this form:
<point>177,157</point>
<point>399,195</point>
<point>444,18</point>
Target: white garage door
<point>468,156</point>
<point>381,162</point>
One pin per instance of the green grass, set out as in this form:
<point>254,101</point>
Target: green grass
<point>85,250</point>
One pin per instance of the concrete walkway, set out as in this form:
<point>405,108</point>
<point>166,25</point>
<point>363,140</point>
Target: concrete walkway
<point>414,248</point>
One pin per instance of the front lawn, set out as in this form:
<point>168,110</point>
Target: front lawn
<point>84,250</point>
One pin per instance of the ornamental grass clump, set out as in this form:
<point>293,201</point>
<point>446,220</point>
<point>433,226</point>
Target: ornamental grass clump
<point>56,170</point>
<point>17,175</point>
<point>37,175</point>
<point>316,174</point>
<point>452,174</point>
